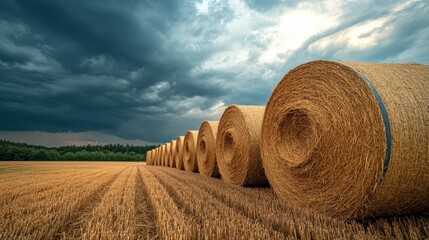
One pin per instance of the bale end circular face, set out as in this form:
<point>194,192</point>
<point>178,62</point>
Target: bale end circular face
<point>326,138</point>
<point>206,149</point>
<point>189,151</point>
<point>237,146</point>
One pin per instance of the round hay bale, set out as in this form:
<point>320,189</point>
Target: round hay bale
<point>189,151</point>
<point>166,154</point>
<point>350,139</point>
<point>179,153</point>
<point>148,158</point>
<point>238,144</point>
<point>172,161</point>
<point>152,156</point>
<point>206,149</point>
<point>162,155</point>
<point>157,155</point>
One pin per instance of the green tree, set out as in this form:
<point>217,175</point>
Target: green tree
<point>41,154</point>
<point>53,155</point>
<point>68,156</point>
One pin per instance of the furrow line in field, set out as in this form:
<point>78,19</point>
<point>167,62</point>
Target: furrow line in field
<point>83,211</point>
<point>291,222</point>
<point>172,223</point>
<point>146,225</point>
<point>113,218</point>
<point>29,218</point>
<point>218,219</point>
<point>179,201</point>
<point>232,200</point>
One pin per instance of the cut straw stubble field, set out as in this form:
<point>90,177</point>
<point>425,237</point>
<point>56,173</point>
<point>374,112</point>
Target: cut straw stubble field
<point>55,204</point>
<point>261,205</point>
<point>65,208</point>
<point>135,201</point>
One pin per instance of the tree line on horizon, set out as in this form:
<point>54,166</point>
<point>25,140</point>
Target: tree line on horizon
<point>110,152</point>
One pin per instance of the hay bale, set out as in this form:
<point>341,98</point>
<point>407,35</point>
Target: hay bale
<point>161,163</point>
<point>189,151</point>
<point>206,149</point>
<point>148,158</point>
<point>172,161</point>
<point>166,154</point>
<point>159,155</point>
<point>158,149</point>
<point>179,153</point>
<point>238,144</point>
<point>350,139</point>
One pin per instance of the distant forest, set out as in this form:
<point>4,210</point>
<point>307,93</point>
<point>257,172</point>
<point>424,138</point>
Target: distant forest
<point>110,152</point>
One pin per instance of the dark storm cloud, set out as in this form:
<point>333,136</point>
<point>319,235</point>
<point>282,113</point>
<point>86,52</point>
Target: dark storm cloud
<point>151,70</point>
<point>82,66</point>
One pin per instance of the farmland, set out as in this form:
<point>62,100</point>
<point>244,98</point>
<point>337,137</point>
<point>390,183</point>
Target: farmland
<point>112,200</point>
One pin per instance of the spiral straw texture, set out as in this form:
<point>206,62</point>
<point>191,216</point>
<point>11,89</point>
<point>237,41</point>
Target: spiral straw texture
<point>206,149</point>
<point>350,139</point>
<point>238,145</point>
<point>179,153</point>
<point>189,151</point>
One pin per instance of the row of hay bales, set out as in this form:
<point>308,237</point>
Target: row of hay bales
<point>346,139</point>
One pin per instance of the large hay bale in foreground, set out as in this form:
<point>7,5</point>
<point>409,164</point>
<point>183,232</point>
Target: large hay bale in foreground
<point>238,145</point>
<point>206,149</point>
<point>179,153</point>
<point>189,151</point>
<point>350,139</point>
<point>172,161</point>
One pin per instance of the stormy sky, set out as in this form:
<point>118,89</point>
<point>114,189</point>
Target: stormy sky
<point>142,72</point>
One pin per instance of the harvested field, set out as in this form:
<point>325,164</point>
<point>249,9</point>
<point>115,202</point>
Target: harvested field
<point>110,200</point>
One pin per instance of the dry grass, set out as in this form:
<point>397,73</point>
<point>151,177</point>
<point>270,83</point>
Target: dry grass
<point>66,200</point>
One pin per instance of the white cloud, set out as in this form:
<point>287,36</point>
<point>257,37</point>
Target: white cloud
<point>293,29</point>
<point>359,37</point>
<point>202,7</point>
<point>362,36</point>
<point>153,92</point>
